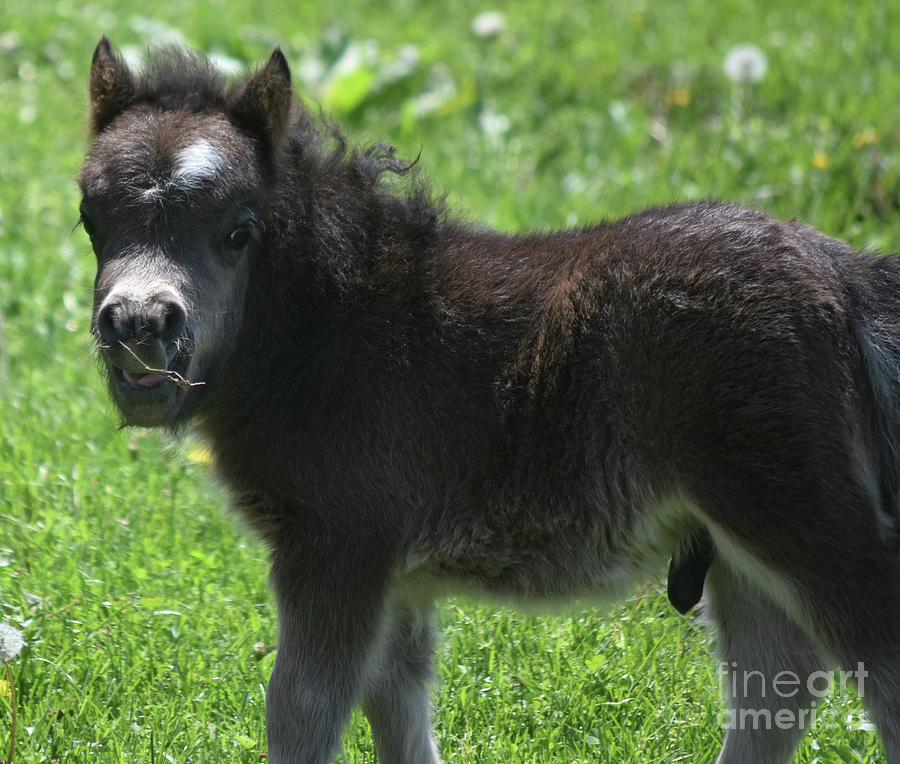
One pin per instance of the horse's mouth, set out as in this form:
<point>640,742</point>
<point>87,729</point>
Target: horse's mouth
<point>147,398</point>
<point>143,381</point>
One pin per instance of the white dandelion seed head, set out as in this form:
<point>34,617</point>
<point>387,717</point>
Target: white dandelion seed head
<point>488,24</point>
<point>745,63</point>
<point>11,642</point>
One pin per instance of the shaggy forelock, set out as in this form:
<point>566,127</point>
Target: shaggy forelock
<point>173,78</point>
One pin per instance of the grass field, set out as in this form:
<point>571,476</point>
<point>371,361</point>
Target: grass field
<point>148,625</point>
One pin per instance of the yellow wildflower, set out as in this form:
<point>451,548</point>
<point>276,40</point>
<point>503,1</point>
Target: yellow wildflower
<point>679,97</point>
<point>821,160</point>
<point>865,138</point>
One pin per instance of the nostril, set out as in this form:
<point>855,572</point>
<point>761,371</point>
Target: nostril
<point>111,323</point>
<point>169,318</point>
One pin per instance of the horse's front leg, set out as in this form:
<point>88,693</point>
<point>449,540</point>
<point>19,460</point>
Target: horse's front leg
<point>330,590</point>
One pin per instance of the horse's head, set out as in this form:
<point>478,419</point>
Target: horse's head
<point>173,190</point>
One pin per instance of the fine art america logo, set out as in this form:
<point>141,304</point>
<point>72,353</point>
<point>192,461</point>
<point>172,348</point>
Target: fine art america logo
<point>784,701</point>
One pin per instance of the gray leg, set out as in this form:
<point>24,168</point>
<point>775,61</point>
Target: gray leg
<point>851,603</point>
<point>860,624</point>
<point>817,542</point>
<point>396,698</point>
<point>880,691</point>
<point>331,598</point>
<point>762,651</point>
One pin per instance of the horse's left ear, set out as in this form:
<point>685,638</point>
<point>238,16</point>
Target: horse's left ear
<point>111,85</point>
<point>262,105</point>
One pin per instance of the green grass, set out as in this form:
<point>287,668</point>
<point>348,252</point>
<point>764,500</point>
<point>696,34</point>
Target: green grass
<point>148,624</point>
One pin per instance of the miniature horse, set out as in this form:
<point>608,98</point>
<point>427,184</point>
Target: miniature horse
<point>404,405</point>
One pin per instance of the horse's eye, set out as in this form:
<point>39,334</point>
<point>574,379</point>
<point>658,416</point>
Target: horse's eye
<point>89,228</point>
<point>238,238</point>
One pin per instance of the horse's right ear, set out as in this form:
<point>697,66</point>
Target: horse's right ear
<point>262,105</point>
<point>111,85</point>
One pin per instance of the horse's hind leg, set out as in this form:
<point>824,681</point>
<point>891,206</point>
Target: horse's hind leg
<point>859,622</point>
<point>765,662</point>
<point>838,578</point>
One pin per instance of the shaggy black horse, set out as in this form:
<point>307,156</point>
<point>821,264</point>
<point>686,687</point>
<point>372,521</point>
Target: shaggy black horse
<point>403,405</point>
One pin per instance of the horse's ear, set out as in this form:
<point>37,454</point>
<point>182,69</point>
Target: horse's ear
<point>262,104</point>
<point>111,85</point>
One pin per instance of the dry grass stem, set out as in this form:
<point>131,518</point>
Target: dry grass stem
<point>172,376</point>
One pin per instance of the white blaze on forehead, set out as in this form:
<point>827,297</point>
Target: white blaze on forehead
<point>199,161</point>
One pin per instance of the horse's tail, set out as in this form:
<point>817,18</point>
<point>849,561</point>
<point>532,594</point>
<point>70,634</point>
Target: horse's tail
<point>875,316</point>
